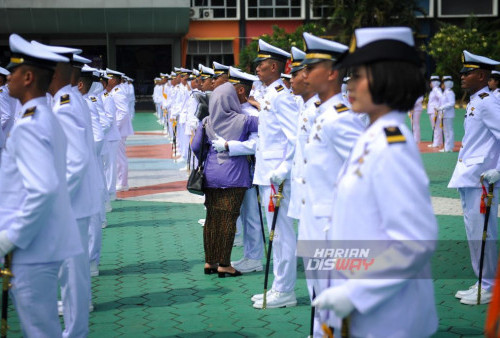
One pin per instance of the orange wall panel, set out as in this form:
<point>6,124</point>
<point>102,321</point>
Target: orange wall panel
<point>260,27</point>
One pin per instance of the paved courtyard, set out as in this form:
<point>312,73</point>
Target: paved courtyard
<point>151,282</point>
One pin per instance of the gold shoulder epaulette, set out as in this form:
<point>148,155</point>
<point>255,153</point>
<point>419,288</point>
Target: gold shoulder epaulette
<point>65,99</point>
<point>106,94</point>
<point>317,104</point>
<point>279,88</point>
<point>1,90</point>
<point>340,108</point>
<point>394,135</point>
<point>29,112</point>
<point>483,95</point>
<point>116,89</point>
<point>93,99</point>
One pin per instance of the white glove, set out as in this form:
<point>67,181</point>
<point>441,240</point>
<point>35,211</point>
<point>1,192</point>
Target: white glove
<point>334,298</point>
<point>278,175</point>
<point>491,175</point>
<point>5,244</point>
<point>219,144</point>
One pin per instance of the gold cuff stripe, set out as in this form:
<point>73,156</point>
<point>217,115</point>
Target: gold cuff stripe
<point>319,56</point>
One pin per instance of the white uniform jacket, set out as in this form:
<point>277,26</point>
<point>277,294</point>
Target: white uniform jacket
<point>35,207</point>
<point>394,297</point>
<point>332,137</point>
<point>481,143</point>
<point>239,148</point>
<point>308,112</point>
<point>277,131</point>
<point>81,167</point>
<point>434,98</point>
<point>8,107</point>
<point>447,104</point>
<point>97,130</point>
<point>122,111</point>
<point>110,110</point>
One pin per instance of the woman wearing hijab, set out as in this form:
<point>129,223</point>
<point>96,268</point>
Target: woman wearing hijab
<point>225,178</point>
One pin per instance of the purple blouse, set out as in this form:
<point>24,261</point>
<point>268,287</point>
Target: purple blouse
<point>233,173</point>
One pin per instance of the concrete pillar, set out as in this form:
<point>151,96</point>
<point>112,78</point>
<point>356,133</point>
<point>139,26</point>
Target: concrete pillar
<point>111,51</point>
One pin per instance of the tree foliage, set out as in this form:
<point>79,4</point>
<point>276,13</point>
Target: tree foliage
<point>281,39</point>
<point>344,16</point>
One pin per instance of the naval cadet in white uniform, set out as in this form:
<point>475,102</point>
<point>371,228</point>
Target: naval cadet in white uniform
<point>333,134</point>
<point>74,276</point>
<point>432,111</point>
<point>447,111</point>
<point>394,296</point>
<point>479,155</point>
<point>253,246</point>
<point>277,137</point>
<point>37,222</point>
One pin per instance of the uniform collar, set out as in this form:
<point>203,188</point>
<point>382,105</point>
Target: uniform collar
<point>278,82</point>
<point>480,91</point>
<point>331,102</point>
<point>392,118</point>
<point>311,101</point>
<point>64,90</point>
<point>37,101</point>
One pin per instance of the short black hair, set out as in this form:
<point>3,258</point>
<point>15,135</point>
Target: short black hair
<point>495,77</point>
<point>87,82</point>
<point>43,77</point>
<point>397,84</point>
<point>247,88</point>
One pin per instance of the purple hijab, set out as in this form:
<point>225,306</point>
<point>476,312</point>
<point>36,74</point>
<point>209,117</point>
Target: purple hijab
<point>226,119</point>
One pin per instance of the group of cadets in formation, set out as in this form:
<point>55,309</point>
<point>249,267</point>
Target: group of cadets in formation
<point>64,127</point>
<point>306,134</point>
<point>62,143</point>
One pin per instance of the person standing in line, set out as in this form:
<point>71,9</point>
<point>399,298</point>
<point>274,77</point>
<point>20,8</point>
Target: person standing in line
<point>432,106</point>
<point>447,111</point>
<point>278,119</point>
<point>253,246</point>
<point>370,208</point>
<point>415,114</point>
<point>479,156</point>
<point>121,101</point>
<point>494,81</point>
<point>37,223</point>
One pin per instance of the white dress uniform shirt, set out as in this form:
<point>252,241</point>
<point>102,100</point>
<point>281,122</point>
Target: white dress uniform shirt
<point>97,131</point>
<point>415,118</point>
<point>381,172</point>
<point>8,108</point>
<point>275,149</point>
<point>480,151</point>
<point>307,115</point>
<point>433,105</point>
<point>37,198</point>
<point>113,134</point>
<point>447,106</point>
<point>121,101</point>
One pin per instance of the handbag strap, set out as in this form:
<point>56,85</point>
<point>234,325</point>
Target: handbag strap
<point>202,155</point>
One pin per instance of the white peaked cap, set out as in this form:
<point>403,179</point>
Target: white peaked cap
<point>26,53</point>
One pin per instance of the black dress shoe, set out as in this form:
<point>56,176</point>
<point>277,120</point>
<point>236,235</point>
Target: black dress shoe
<point>222,274</point>
<point>209,271</point>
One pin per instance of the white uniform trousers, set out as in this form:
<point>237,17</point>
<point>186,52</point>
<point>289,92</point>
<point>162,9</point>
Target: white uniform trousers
<point>253,245</point>
<point>284,243</point>
<point>74,278</point>
<point>95,238</point>
<point>109,162</point>
<point>122,164</point>
<point>449,137</point>
<point>474,224</point>
<point>34,294</point>
<point>415,125</point>
<point>318,285</point>
<point>438,131</point>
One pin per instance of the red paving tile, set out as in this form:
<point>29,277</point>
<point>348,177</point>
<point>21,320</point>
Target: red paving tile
<point>156,133</point>
<point>424,147</point>
<point>161,151</point>
<point>153,189</point>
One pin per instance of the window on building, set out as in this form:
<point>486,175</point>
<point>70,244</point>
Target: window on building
<point>463,8</point>
<point>275,9</point>
<point>207,51</point>
<point>320,11</point>
<point>222,9</point>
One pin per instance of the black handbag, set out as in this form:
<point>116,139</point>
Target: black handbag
<point>195,180</point>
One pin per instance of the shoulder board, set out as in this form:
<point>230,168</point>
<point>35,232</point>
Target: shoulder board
<point>1,90</point>
<point>106,94</point>
<point>93,99</point>
<point>29,112</point>
<point>483,95</point>
<point>394,135</point>
<point>117,89</point>
<point>340,108</point>
<point>317,104</point>
<point>64,99</point>
<point>279,88</point>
